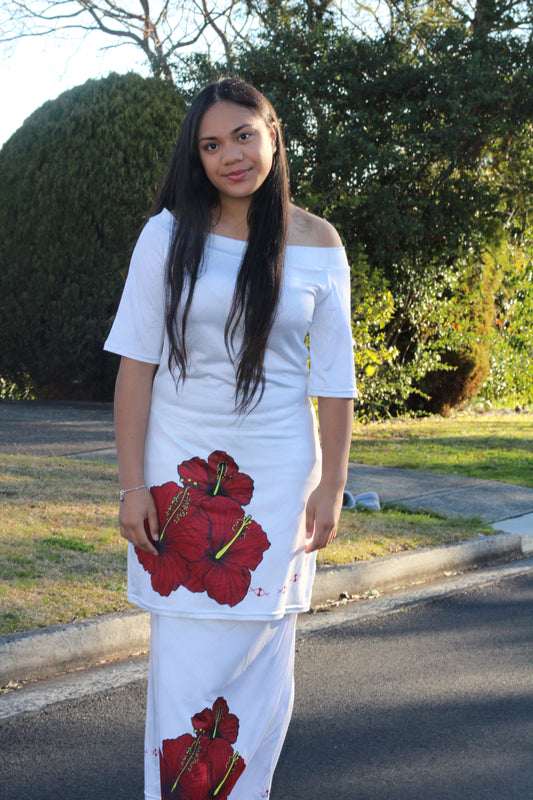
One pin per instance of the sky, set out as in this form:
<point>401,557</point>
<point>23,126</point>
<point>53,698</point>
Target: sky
<point>41,69</point>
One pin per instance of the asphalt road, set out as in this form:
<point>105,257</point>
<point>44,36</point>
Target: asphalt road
<point>433,701</point>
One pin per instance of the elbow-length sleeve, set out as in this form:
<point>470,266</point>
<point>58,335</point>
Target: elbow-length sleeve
<point>332,372</point>
<point>139,326</point>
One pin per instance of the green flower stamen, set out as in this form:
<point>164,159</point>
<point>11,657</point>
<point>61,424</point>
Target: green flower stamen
<point>224,779</point>
<point>181,506</point>
<point>217,720</point>
<point>193,753</point>
<point>245,522</point>
<point>222,468</point>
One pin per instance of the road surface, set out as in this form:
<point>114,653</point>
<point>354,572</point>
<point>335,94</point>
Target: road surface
<point>432,701</point>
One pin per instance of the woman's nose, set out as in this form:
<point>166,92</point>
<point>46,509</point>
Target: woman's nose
<point>231,154</point>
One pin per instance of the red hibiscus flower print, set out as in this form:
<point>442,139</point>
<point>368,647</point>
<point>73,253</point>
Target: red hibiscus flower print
<point>226,767</point>
<point>206,542</point>
<point>223,554</point>
<point>169,569</point>
<point>204,767</point>
<point>219,476</point>
<point>217,722</point>
<point>184,774</point>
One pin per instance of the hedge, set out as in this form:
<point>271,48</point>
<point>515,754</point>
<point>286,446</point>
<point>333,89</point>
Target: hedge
<point>76,183</point>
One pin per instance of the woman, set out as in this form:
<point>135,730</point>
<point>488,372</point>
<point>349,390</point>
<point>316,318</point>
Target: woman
<point>225,493</point>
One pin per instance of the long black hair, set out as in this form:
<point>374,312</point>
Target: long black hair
<point>189,195</point>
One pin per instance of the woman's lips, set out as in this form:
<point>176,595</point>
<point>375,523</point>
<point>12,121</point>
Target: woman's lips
<point>238,175</point>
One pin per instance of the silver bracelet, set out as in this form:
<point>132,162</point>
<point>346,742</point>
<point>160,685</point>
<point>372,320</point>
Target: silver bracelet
<point>122,492</point>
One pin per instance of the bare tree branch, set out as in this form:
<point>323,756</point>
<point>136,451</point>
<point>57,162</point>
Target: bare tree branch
<point>214,24</point>
<point>157,27</point>
<point>162,28</point>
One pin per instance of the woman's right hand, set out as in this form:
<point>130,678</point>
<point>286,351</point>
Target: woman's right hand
<point>135,508</point>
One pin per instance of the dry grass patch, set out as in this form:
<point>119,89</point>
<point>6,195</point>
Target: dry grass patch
<point>61,557</point>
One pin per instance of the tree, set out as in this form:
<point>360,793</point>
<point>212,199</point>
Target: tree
<point>395,145</point>
<point>162,29</point>
<point>396,130</point>
<point>159,28</point>
<point>76,181</point>
<point>412,20</point>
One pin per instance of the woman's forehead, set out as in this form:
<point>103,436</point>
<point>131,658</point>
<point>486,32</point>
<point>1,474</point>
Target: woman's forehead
<point>224,117</point>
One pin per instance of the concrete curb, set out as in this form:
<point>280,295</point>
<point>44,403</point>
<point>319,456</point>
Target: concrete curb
<point>63,648</point>
<point>40,653</point>
<point>404,569</point>
<point>527,545</point>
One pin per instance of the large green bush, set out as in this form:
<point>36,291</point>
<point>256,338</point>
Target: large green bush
<point>76,182</point>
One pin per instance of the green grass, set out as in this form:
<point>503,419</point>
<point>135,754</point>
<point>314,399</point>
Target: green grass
<point>492,446</point>
<point>62,559</point>
<point>366,534</point>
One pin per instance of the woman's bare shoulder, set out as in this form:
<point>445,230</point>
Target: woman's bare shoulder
<point>311,231</point>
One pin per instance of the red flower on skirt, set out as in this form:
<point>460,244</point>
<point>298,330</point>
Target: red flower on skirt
<point>226,767</point>
<point>169,569</point>
<point>184,774</point>
<point>201,768</point>
<point>222,553</point>
<point>217,722</point>
<point>197,769</point>
<point>219,476</point>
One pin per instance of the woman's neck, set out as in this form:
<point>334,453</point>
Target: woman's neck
<point>230,218</point>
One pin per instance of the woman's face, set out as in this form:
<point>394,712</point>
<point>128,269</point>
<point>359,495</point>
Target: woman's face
<point>236,148</point>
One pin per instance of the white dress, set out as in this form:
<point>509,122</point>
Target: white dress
<point>274,448</point>
<point>230,491</point>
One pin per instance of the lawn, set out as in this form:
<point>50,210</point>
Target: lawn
<point>494,446</point>
<point>62,559</point>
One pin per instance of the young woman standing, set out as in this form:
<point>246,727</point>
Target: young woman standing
<point>226,493</point>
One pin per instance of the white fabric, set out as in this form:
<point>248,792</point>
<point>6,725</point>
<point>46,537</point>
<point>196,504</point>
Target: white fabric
<point>276,444</point>
<point>249,664</point>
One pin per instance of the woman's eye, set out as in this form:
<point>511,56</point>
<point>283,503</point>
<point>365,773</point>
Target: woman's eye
<point>210,146</point>
<point>244,136</point>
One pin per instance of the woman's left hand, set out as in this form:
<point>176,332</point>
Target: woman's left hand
<point>335,415</point>
<point>322,516</point>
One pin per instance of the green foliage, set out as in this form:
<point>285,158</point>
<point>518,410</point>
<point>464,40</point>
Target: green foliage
<point>76,181</point>
<point>12,391</point>
<point>395,141</point>
<point>416,145</point>
<point>68,543</point>
<point>464,314</point>
<point>511,354</point>
<point>510,378</point>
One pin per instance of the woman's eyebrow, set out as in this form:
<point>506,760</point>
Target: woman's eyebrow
<point>234,131</point>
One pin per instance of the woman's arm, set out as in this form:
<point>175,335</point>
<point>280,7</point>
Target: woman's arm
<point>335,415</point>
<point>133,396</point>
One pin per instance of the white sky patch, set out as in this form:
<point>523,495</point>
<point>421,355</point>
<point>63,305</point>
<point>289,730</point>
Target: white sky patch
<point>40,69</point>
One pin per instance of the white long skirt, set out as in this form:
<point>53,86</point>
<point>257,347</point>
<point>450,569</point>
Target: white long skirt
<point>220,698</point>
